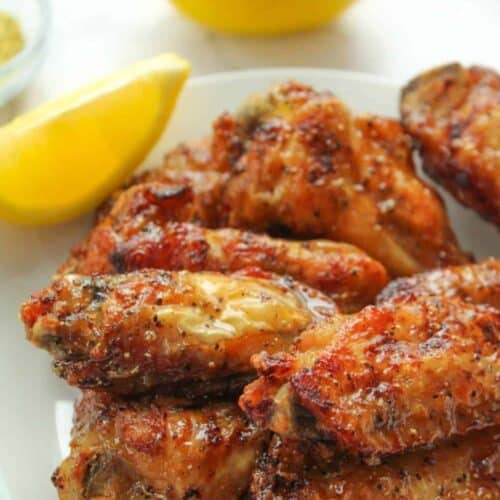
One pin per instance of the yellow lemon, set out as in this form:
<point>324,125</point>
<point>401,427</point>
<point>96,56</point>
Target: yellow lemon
<point>261,17</point>
<point>65,157</point>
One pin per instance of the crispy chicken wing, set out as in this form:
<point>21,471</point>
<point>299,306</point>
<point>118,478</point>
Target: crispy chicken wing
<point>299,163</point>
<point>296,162</point>
<point>157,448</point>
<point>141,232</point>
<point>392,377</point>
<point>475,283</point>
<point>453,113</point>
<point>131,332</point>
<point>460,468</point>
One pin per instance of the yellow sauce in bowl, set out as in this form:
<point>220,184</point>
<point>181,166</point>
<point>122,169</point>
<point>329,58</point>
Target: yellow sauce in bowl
<point>11,37</point>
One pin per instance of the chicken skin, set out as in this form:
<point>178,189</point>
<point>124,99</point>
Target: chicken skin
<point>131,332</point>
<point>392,377</point>
<point>466,467</point>
<point>197,200</point>
<point>157,448</point>
<point>141,232</point>
<point>298,163</point>
<point>453,113</point>
<point>475,283</point>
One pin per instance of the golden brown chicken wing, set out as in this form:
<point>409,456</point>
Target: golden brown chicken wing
<point>157,448</point>
<point>392,377</point>
<point>140,232</point>
<point>131,332</point>
<point>296,162</point>
<point>459,468</point>
<point>475,283</point>
<point>453,113</point>
<point>300,164</point>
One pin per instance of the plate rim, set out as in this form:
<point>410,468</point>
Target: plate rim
<point>241,74</point>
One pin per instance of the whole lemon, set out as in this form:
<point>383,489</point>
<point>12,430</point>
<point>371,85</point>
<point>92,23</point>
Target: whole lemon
<point>261,17</point>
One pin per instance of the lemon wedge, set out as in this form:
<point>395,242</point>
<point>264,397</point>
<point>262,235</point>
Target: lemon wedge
<point>65,157</point>
<point>262,17</point>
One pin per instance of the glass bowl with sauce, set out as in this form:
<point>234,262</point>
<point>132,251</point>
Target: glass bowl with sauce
<point>24,27</point>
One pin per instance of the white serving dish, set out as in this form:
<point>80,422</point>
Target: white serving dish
<point>35,406</point>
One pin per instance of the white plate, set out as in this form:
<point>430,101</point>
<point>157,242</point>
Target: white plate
<point>35,406</point>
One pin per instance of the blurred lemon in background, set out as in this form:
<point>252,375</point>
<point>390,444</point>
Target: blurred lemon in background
<point>262,17</point>
<point>65,157</point>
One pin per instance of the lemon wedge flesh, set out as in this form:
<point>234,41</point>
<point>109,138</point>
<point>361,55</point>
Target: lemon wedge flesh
<point>261,17</point>
<point>65,157</point>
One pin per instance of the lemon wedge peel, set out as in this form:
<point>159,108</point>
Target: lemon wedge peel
<point>63,158</point>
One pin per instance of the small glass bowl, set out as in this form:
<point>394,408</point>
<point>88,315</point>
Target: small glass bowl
<point>34,18</point>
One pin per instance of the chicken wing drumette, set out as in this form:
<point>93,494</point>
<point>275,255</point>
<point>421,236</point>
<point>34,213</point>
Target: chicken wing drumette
<point>392,377</point>
<point>131,332</point>
<point>146,229</point>
<point>298,162</point>
<point>466,467</point>
<point>157,448</point>
<point>453,113</point>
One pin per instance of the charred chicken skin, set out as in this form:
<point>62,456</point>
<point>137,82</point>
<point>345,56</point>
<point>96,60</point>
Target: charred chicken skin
<point>157,448</point>
<point>132,332</point>
<point>453,113</point>
<point>197,203</point>
<point>392,377</point>
<point>142,231</point>
<point>465,467</point>
<point>299,163</point>
<point>475,283</point>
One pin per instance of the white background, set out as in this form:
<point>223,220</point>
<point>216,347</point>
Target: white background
<point>393,38</point>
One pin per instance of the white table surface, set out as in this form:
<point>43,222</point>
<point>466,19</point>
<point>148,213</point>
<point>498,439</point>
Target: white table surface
<point>393,38</point>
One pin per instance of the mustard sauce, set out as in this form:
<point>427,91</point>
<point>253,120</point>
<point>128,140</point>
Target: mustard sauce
<point>11,37</point>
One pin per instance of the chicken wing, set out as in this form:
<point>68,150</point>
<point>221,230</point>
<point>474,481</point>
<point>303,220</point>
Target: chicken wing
<point>453,113</point>
<point>392,377</point>
<point>475,283</point>
<point>131,332</point>
<point>295,162</point>
<point>157,448</point>
<point>460,468</point>
<point>301,165</point>
<point>141,232</point>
